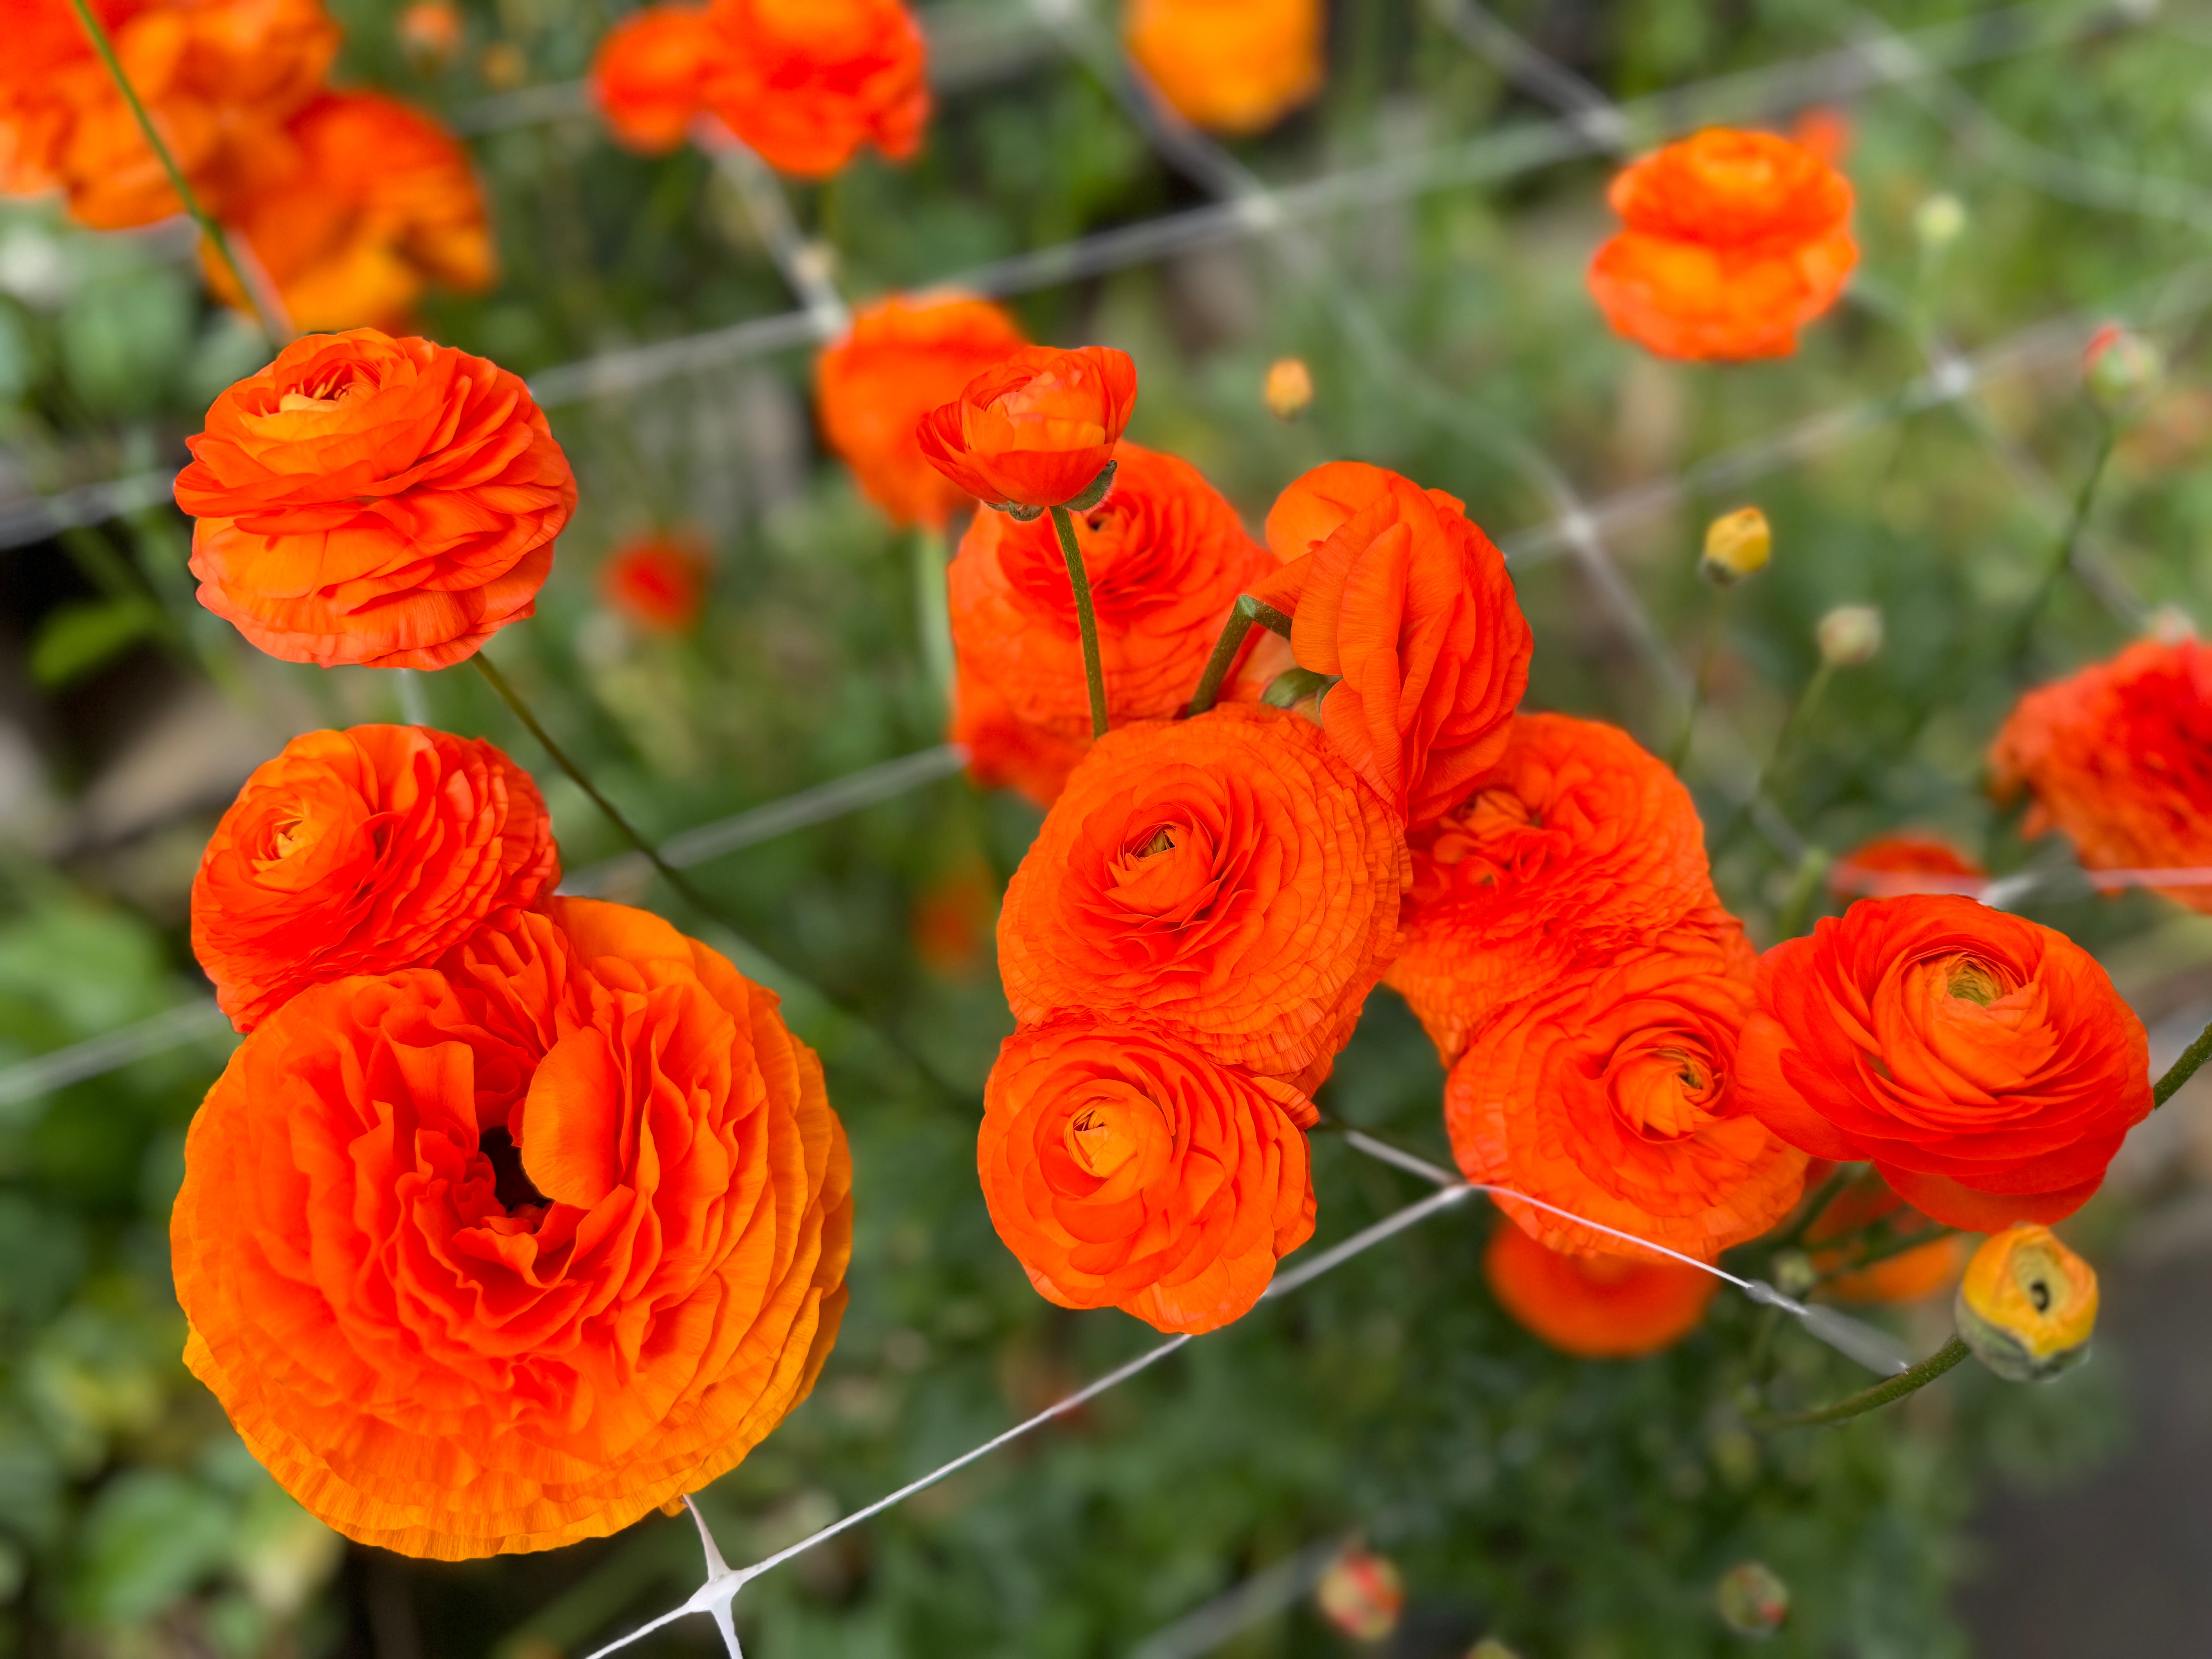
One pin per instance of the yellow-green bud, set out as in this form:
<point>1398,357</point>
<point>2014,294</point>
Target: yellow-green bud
<point>1938,221</point>
<point>1752,1599</point>
<point>2122,368</point>
<point>2027,1304</point>
<point>1849,634</point>
<point>1491,1648</point>
<point>1736,545</point>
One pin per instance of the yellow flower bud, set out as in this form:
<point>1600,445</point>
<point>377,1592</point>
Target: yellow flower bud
<point>2027,1304</point>
<point>1752,1599</point>
<point>1290,387</point>
<point>1736,545</point>
<point>1849,634</point>
<point>1362,1595</point>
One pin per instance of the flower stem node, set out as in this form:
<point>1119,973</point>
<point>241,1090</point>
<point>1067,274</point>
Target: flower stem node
<point>1850,636</point>
<point>2028,1305</point>
<point>1752,1599</point>
<point>2122,370</point>
<point>1290,388</point>
<point>1737,545</point>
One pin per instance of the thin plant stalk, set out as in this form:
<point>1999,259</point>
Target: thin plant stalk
<point>2069,540</point>
<point>1715,620</point>
<point>2182,1069</point>
<point>932,606</point>
<point>1086,619</point>
<point>1246,611</point>
<point>1881,1394</point>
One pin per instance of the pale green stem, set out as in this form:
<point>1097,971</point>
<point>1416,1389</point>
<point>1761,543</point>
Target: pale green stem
<point>1880,1393</point>
<point>1086,620</point>
<point>932,606</point>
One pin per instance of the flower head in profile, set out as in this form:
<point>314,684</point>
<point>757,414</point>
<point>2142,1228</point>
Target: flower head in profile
<point>387,502</point>
<point>1036,428</point>
<point>508,1252</point>
<point>2028,1305</point>
<point>1230,66</point>
<point>1905,862</point>
<point>806,84</point>
<point>659,581</point>
<point>1983,1063</point>
<point>1223,879</point>
<point>1125,1169</point>
<point>1594,1307</point>
<point>648,76</point>
<point>1732,242</point>
<point>901,359</point>
<point>364,852</point>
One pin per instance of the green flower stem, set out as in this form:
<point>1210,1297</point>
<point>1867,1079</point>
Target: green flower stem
<point>278,334</point>
<point>1823,1195</point>
<point>1246,611</point>
<point>932,606</point>
<point>1716,621</point>
<point>2182,1069</point>
<point>2069,540</point>
<point>1880,1393</point>
<point>1085,619</point>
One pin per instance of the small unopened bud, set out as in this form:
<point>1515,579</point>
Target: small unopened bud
<point>1794,1272</point>
<point>2121,369</point>
<point>2027,1304</point>
<point>1290,387</point>
<point>1849,634</point>
<point>1938,221</point>
<point>1491,1648</point>
<point>1736,545</point>
<point>430,33</point>
<point>1752,1599</point>
<point>1361,1595</point>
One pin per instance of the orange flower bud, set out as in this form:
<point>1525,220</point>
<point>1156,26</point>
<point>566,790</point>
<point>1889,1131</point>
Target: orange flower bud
<point>1909,861</point>
<point>1362,1595</point>
<point>658,582</point>
<point>1232,66</point>
<point>430,32</point>
<point>1737,545</point>
<point>1035,430</point>
<point>1752,1599</point>
<point>2027,1304</point>
<point>1290,387</point>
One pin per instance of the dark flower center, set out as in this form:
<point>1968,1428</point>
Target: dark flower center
<point>510,1185</point>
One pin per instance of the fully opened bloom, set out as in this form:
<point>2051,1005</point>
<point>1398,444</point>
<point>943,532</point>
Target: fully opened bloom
<point>1232,66</point>
<point>1166,557</point>
<point>805,83</point>
<point>901,358</point>
<point>2118,757</point>
<point>1615,1095</point>
<point>1983,1063</point>
<point>1734,241</point>
<point>367,500</point>
<point>1223,879</point>
<point>1595,1306</point>
<point>1576,846</point>
<point>1036,428</point>
<point>364,852</point>
<point>659,581</point>
<point>648,76</point>
<point>1391,590</point>
<point>508,1252</point>
<point>1125,1169</point>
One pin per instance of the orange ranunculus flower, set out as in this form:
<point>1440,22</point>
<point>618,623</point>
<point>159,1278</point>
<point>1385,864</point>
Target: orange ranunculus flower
<point>1574,847</point>
<point>364,852</point>
<point>1904,1278</point>
<point>1983,1062</point>
<point>381,204</point>
<point>658,581</point>
<point>1035,428</point>
<point>507,1252</point>
<point>901,358</point>
<point>1907,862</point>
<point>1614,1093</point>
<point>1125,1169</point>
<point>649,76</point>
<point>1391,587</point>
<point>1734,241</point>
<point>2118,756</point>
<point>1166,557</point>
<point>1224,879</point>
<point>372,500</point>
<point>1232,66</point>
<point>806,82</point>
<point>1594,1307</point>
<point>47,47</point>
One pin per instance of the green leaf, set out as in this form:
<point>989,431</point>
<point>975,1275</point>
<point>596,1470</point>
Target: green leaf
<point>80,637</point>
<point>151,1537</point>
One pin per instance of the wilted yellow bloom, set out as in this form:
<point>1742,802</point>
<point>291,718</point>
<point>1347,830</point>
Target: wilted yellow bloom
<point>1849,635</point>
<point>1736,545</point>
<point>1290,387</point>
<point>2027,1304</point>
<point>1362,1595</point>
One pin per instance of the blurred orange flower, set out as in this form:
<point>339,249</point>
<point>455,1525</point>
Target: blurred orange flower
<point>1166,557</point>
<point>805,84</point>
<point>1907,1277</point>
<point>508,1252</point>
<point>364,852</point>
<point>1906,861</point>
<point>1035,429</point>
<point>952,922</point>
<point>648,76</point>
<point>1222,878</point>
<point>1390,587</point>
<point>1125,1169</point>
<point>1614,1093</point>
<point>382,203</point>
<point>1577,846</point>
<point>2118,757</point>
<point>372,500</point>
<point>1232,66</point>
<point>1983,1062</point>
<point>1734,241</point>
<point>1595,1306</point>
<point>430,32</point>
<point>901,359</point>
<point>658,581</point>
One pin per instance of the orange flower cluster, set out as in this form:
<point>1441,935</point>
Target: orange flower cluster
<point>514,1218</point>
<point>1232,66</point>
<point>805,84</point>
<point>1734,241</point>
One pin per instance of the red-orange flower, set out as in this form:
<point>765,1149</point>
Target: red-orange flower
<point>1166,557</point>
<point>1595,1306</point>
<point>373,501</point>
<point>380,203</point>
<point>901,359</point>
<point>504,1253</point>
<point>1125,1169</point>
<point>1391,587</point>
<point>1615,1094</point>
<point>1035,429</point>
<point>1983,1063</point>
<point>1907,862</point>
<point>2118,756</point>
<point>1232,66</point>
<point>658,581</point>
<point>1223,879</point>
<point>806,82</point>
<point>1906,1277</point>
<point>1734,241</point>
<point>649,76</point>
<point>1574,848</point>
<point>364,852</point>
